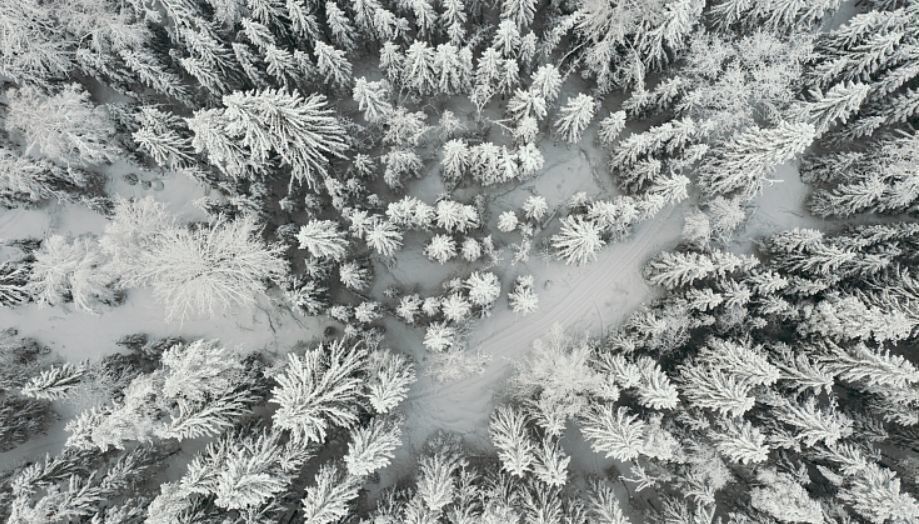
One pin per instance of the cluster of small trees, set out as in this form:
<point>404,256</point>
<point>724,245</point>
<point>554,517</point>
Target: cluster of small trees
<point>770,387</point>
<point>454,485</point>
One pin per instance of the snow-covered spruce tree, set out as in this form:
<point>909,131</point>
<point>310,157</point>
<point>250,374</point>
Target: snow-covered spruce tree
<point>383,237</point>
<point>252,469</point>
<point>163,137</point>
<point>726,87</point>
<point>239,472</point>
<point>456,217</point>
<point>303,133</point>
<point>354,275</point>
<point>484,289</point>
<point>455,161</point>
<point>54,383</point>
<point>775,15</point>
<point>440,337</point>
<point>747,160</point>
<point>535,208</point>
<point>34,49</point>
<point>330,496</point>
<point>441,249</point>
<point>472,489</point>
<point>574,118</point>
<point>507,221</point>
<point>411,213</point>
<point>611,127</point>
<point>333,65</point>
<point>14,281</point>
<point>201,389</point>
<point>372,446</point>
<point>28,181</point>
<point>389,377</point>
<point>509,433</point>
<point>372,98</point>
<point>557,382</point>
<point>21,418</point>
<point>323,239</point>
<point>673,270</point>
<point>578,241</point>
<point>326,387</point>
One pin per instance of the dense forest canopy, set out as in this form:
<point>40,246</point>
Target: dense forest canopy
<point>368,183</point>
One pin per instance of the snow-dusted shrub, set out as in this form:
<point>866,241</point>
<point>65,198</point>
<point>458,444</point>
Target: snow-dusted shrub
<point>430,306</point>
<point>409,307</point>
<point>367,312</point>
<point>456,308</point>
<point>400,164</point>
